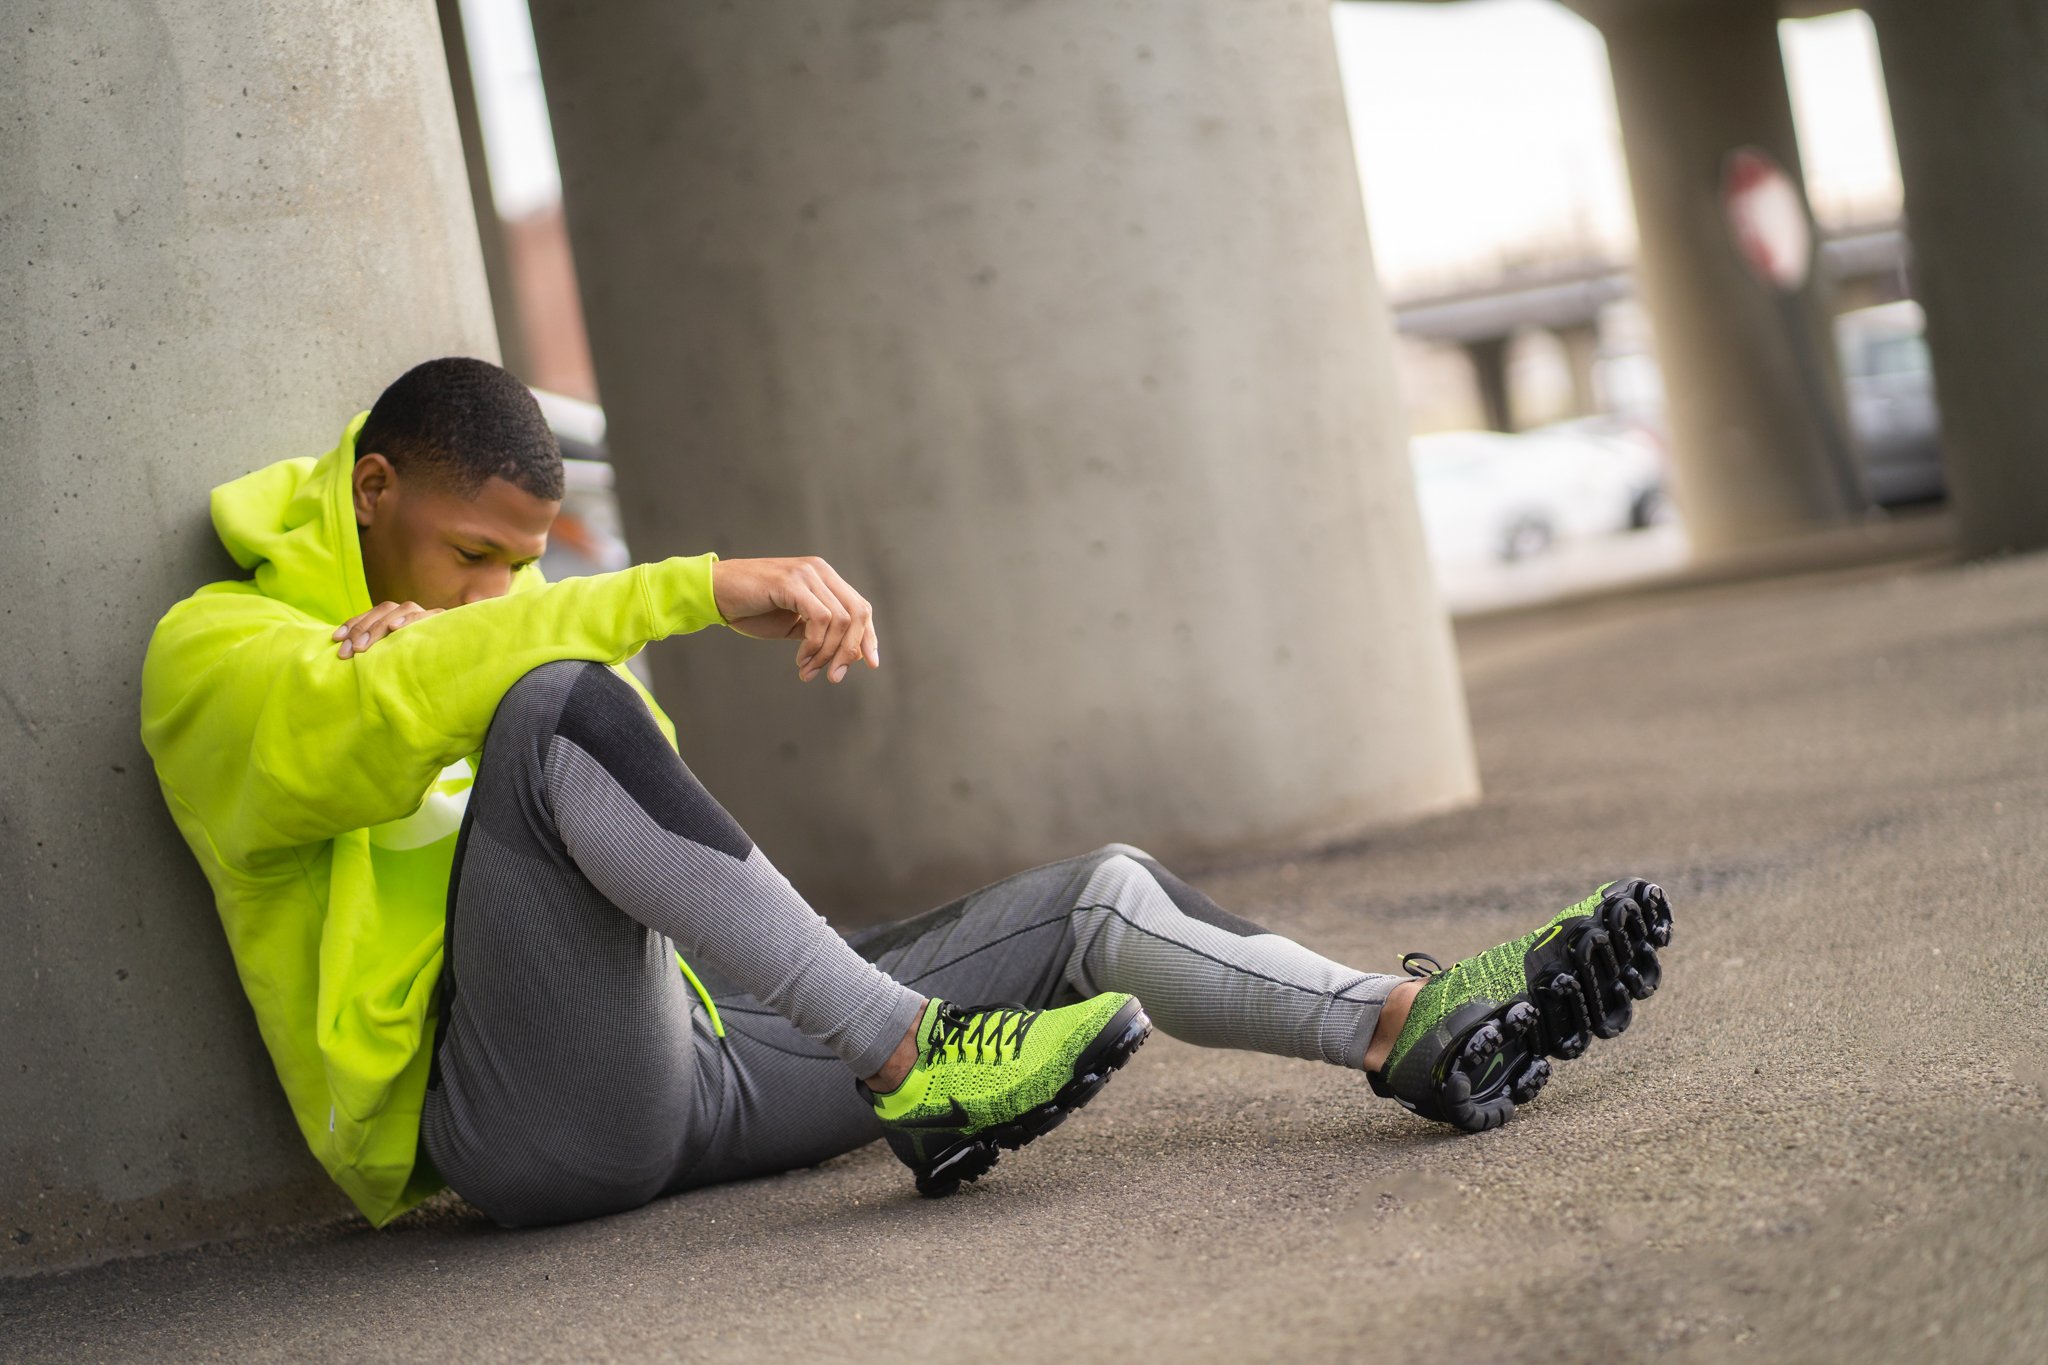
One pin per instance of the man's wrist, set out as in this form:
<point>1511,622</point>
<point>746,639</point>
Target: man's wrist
<point>679,596</point>
<point>717,609</point>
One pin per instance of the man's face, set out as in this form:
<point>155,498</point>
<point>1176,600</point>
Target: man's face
<point>427,545</point>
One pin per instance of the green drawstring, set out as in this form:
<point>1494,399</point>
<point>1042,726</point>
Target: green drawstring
<point>717,1024</point>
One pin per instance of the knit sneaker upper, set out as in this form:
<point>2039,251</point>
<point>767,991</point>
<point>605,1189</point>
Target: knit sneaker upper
<point>1497,975</point>
<point>987,1065</point>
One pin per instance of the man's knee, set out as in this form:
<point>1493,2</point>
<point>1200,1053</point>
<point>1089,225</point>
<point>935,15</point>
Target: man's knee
<point>532,706</point>
<point>1125,869</point>
<point>577,697</point>
<point>1125,866</point>
<point>615,742</point>
<point>1112,873</point>
<point>544,691</point>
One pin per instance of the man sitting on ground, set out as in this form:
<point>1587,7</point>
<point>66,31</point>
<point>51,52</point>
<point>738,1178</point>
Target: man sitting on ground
<point>497,935</point>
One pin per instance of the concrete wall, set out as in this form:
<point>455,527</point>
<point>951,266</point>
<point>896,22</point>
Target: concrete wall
<point>1969,97</point>
<point>1055,328</point>
<point>224,226</point>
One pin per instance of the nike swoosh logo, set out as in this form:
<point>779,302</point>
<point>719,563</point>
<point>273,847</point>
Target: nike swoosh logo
<point>1555,930</point>
<point>958,1119</point>
<point>1487,1075</point>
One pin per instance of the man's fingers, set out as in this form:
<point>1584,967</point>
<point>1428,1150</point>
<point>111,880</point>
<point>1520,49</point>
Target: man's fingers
<point>803,597</point>
<point>373,625</point>
<point>817,619</point>
<point>401,614</point>
<point>349,627</point>
<point>852,646</point>
<point>821,652</point>
<point>861,640</point>
<point>410,615</point>
<point>355,632</point>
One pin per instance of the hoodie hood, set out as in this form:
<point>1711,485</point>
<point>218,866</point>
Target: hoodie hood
<point>294,523</point>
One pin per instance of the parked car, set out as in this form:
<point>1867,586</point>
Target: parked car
<point>1486,495</point>
<point>1635,451</point>
<point>1893,418</point>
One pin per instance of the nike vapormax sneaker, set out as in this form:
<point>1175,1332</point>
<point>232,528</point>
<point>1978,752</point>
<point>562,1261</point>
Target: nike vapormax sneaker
<point>1479,1031</point>
<point>999,1076</point>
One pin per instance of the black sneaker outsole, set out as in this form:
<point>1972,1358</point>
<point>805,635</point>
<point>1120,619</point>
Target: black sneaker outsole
<point>1501,1058</point>
<point>971,1157</point>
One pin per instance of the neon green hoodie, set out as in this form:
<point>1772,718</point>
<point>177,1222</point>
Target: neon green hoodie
<point>322,795</point>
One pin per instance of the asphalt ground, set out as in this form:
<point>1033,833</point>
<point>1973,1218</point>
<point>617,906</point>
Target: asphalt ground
<point>1821,1140</point>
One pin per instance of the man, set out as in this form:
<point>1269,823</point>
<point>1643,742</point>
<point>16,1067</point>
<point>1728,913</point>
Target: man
<point>497,935</point>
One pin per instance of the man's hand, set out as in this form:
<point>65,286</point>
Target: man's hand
<point>803,598</point>
<point>358,633</point>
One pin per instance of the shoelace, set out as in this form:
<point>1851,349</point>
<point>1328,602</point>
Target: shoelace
<point>991,1028</point>
<point>1408,961</point>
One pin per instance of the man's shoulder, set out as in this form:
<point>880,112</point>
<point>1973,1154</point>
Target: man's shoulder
<point>210,621</point>
<point>229,603</point>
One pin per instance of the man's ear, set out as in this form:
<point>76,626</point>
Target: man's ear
<point>373,479</point>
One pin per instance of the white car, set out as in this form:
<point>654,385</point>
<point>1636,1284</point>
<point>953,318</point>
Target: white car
<point>1486,495</point>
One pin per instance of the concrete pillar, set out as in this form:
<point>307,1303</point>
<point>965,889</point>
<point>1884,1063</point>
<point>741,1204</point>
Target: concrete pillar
<point>224,226</point>
<point>1489,357</point>
<point>1754,395</point>
<point>1580,343</point>
<point>1969,100</point>
<point>490,230</point>
<point>1054,326</point>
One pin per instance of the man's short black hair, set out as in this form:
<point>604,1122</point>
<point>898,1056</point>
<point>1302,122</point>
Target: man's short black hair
<point>459,422</point>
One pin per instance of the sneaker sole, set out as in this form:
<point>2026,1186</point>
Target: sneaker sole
<point>970,1158</point>
<point>1610,962</point>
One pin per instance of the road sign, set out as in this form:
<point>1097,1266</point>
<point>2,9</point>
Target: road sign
<point>1768,215</point>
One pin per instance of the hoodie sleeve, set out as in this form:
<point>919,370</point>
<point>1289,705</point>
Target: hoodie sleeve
<point>274,741</point>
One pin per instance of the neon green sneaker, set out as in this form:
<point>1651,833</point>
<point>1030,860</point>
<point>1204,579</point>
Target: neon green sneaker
<point>999,1076</point>
<point>1477,1033</point>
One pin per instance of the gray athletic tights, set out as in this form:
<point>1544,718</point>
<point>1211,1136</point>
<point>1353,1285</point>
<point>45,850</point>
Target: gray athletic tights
<point>575,1071</point>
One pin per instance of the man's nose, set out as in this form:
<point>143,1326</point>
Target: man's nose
<point>485,590</point>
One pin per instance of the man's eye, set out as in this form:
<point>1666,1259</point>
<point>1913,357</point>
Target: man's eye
<point>469,558</point>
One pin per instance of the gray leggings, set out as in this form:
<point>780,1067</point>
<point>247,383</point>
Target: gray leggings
<point>575,1071</point>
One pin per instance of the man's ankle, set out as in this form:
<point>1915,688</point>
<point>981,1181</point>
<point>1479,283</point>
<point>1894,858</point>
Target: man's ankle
<point>897,1068</point>
<point>1393,1017</point>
